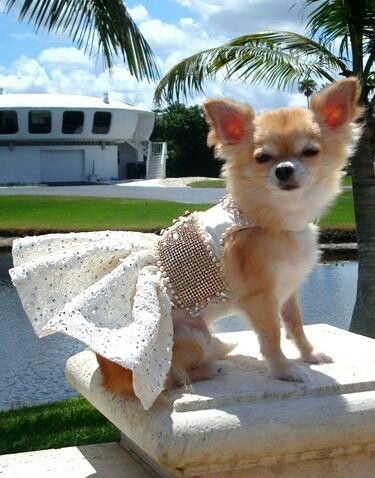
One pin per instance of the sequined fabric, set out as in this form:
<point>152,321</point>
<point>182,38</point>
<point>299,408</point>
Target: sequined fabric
<point>104,289</point>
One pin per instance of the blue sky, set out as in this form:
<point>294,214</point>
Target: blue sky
<point>174,29</point>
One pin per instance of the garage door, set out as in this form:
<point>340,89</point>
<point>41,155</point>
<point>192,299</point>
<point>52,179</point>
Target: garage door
<point>62,165</point>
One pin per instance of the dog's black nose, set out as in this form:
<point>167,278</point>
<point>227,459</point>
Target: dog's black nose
<point>284,171</point>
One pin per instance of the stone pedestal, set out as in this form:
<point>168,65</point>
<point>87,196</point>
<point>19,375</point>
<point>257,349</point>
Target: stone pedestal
<point>247,424</point>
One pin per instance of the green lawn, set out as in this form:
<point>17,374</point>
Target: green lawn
<point>68,423</point>
<point>26,214</point>
<point>341,213</point>
<point>37,214</point>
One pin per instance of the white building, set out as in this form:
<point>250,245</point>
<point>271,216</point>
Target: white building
<point>48,138</point>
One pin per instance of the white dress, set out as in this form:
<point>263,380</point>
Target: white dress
<point>108,290</point>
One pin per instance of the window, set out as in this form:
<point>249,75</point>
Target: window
<point>102,122</point>
<point>8,122</point>
<point>39,122</point>
<point>72,122</point>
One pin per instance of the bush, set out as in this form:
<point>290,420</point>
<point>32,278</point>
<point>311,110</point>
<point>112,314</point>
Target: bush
<point>185,130</point>
<point>136,170</point>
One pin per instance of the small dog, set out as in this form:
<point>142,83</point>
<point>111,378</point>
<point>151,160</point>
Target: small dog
<point>282,168</point>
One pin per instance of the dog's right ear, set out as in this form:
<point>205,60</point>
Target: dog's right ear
<point>230,123</point>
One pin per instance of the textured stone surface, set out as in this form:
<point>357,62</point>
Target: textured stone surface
<point>107,460</point>
<point>6,242</point>
<point>248,423</point>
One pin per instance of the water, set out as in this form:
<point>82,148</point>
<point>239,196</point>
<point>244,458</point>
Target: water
<point>32,369</point>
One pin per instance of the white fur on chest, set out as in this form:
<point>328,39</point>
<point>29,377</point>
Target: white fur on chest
<point>292,269</point>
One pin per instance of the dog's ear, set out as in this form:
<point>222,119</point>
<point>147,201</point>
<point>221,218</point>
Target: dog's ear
<point>230,123</point>
<point>337,105</point>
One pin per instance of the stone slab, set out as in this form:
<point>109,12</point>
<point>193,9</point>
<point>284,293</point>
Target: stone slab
<point>6,242</point>
<point>108,460</point>
<point>245,422</point>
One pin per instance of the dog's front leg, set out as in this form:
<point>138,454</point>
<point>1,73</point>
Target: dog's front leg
<point>292,318</point>
<point>263,312</point>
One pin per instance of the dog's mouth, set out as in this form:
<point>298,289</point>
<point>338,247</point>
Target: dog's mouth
<point>288,187</point>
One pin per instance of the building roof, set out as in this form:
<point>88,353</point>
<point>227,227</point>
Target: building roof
<point>46,100</point>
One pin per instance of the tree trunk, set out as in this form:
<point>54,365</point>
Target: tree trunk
<point>363,319</point>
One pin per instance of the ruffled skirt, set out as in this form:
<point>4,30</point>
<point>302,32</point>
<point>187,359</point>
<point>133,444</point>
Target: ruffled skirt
<point>104,289</point>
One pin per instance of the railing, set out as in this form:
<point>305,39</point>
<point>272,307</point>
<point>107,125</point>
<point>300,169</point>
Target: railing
<point>156,160</point>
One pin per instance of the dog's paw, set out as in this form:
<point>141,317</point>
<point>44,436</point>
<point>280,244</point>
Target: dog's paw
<point>317,358</point>
<point>290,372</point>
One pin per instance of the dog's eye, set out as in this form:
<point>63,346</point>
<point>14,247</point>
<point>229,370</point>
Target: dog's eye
<point>310,152</point>
<point>263,157</point>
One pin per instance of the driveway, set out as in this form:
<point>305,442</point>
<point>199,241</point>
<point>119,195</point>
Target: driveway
<point>176,194</point>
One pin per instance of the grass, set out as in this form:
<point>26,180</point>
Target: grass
<point>70,422</point>
<point>341,214</point>
<point>20,215</point>
<point>25,214</point>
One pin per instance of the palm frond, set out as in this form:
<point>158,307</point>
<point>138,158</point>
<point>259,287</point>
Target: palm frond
<point>276,59</point>
<point>102,26</point>
<point>330,20</point>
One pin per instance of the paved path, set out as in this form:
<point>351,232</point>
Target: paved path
<point>133,191</point>
<point>184,195</point>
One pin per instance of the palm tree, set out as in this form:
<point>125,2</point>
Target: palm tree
<point>307,87</point>
<point>281,59</point>
<point>97,26</point>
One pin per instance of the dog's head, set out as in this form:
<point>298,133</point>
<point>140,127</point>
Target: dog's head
<point>287,161</point>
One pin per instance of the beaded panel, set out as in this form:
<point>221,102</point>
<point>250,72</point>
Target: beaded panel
<point>191,269</point>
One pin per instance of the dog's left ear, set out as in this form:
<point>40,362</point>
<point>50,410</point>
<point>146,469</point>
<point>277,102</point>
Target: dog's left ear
<point>337,105</point>
<point>230,122</point>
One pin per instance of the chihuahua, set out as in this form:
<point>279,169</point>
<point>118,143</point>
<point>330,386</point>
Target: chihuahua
<point>282,169</point>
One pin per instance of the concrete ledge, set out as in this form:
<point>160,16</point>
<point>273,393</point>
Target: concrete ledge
<point>250,425</point>
<point>6,242</point>
<point>107,460</point>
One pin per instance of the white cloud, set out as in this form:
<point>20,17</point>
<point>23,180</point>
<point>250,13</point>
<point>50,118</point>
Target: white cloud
<point>25,75</point>
<point>161,35</point>
<point>139,13</point>
<point>68,70</point>
<point>247,16</point>
<point>69,56</point>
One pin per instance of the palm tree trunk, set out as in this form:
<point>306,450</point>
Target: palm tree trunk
<point>363,319</point>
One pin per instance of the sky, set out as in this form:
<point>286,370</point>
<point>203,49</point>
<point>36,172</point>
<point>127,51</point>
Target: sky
<point>175,29</point>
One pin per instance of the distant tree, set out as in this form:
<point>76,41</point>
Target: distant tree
<point>185,130</point>
<point>307,87</point>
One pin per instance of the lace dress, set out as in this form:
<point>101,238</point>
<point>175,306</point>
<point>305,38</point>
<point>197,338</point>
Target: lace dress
<point>114,291</point>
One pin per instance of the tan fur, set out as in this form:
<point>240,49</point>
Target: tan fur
<point>266,265</point>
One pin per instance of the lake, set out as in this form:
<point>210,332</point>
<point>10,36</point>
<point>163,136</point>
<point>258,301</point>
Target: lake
<point>32,370</point>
